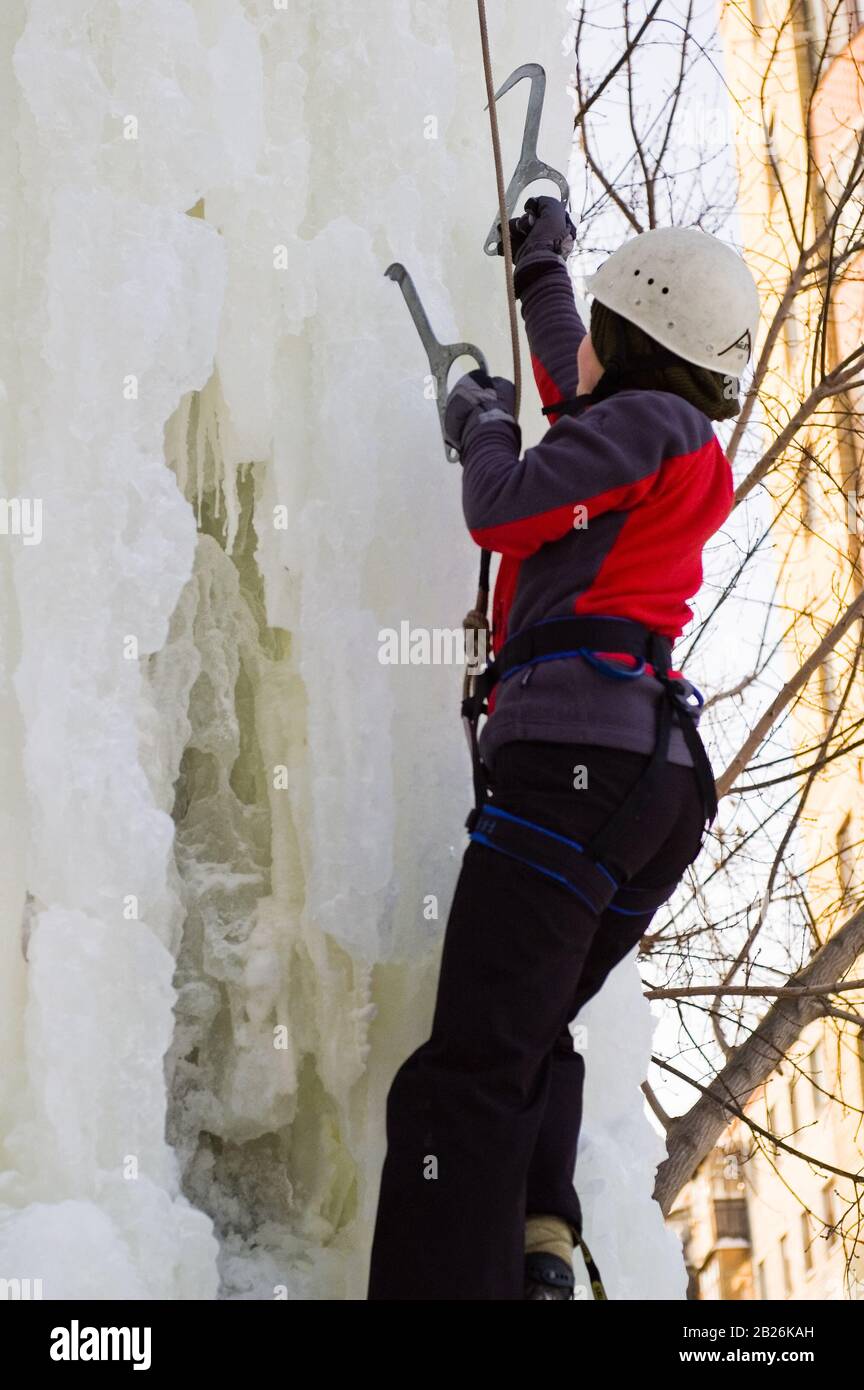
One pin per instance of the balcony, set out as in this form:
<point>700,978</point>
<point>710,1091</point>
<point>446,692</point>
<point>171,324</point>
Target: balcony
<point>730,1220</point>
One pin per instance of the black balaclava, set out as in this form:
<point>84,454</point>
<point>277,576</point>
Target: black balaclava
<point>621,346</point>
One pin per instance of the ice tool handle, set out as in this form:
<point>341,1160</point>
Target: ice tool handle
<point>441,355</point>
<point>530,166</point>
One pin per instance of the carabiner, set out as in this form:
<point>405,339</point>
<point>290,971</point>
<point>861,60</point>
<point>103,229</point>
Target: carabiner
<point>700,698</point>
<point>608,668</point>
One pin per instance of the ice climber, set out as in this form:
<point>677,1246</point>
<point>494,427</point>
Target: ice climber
<point>595,786</point>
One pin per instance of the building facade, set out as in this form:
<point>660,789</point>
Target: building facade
<point>796,77</point>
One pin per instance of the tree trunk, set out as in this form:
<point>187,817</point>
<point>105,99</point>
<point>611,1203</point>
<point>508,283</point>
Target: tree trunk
<point>691,1137</point>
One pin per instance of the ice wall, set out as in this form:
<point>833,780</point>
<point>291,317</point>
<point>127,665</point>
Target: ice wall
<point>227,825</point>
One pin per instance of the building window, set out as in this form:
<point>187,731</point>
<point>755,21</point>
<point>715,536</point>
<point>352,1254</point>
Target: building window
<point>807,1241</point>
<point>762,1280</point>
<point>730,1219</point>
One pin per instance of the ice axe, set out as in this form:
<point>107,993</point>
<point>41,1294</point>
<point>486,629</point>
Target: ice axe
<point>441,355</point>
<point>530,166</point>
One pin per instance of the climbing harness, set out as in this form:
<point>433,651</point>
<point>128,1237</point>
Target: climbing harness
<point>590,871</point>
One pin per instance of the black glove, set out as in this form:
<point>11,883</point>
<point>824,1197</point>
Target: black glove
<point>544,225</point>
<point>475,397</point>
<point>519,230</point>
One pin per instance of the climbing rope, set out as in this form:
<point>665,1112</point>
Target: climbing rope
<point>502,205</point>
<point>476,622</point>
<point>594,1279</point>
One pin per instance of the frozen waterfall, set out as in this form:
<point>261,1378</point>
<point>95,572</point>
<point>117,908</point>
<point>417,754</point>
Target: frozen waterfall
<point>230,833</point>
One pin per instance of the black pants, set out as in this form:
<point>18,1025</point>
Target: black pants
<point>483,1118</point>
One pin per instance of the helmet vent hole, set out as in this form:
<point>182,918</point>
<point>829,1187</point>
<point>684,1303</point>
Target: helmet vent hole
<point>651,281</point>
<point>665,289</point>
<point>670,325</point>
<point>635,272</point>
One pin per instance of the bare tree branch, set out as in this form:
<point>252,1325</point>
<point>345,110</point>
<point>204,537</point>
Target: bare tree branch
<point>585,106</point>
<point>753,991</point>
<point>692,1136</point>
<point>766,721</point>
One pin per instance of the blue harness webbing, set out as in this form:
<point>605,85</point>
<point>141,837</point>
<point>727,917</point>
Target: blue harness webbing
<point>581,869</point>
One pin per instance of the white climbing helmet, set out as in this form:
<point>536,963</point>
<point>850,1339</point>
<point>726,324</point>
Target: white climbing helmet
<point>690,292</point>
